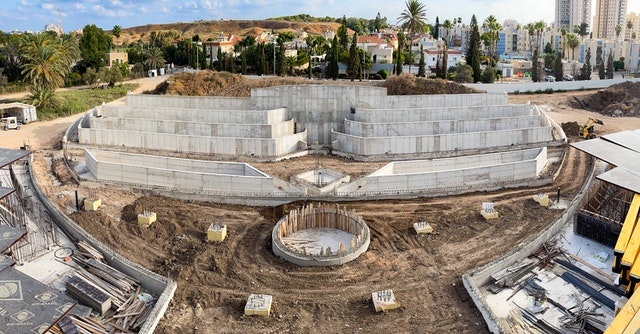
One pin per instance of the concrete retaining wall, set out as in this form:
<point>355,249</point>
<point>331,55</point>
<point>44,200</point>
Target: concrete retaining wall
<point>438,127</point>
<point>439,143</point>
<point>260,147</point>
<point>190,102</point>
<point>179,174</point>
<point>212,115</point>
<point>467,171</point>
<point>194,128</point>
<point>161,287</point>
<point>474,279</point>
<point>441,113</point>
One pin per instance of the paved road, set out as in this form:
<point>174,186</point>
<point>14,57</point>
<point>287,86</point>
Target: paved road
<point>523,87</point>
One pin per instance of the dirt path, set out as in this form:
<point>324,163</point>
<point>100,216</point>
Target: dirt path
<point>424,271</point>
<point>49,133</point>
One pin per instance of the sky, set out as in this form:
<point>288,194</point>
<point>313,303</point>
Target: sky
<point>33,15</point>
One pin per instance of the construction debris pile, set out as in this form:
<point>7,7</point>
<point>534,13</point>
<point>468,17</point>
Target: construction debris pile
<point>115,301</point>
<point>616,100</point>
<point>554,291</point>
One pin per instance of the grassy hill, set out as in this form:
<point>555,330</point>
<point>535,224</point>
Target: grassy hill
<point>208,29</point>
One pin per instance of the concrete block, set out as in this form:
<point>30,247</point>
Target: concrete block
<point>488,212</point>
<point>542,199</point>
<point>384,300</point>
<point>92,205</point>
<point>146,218</point>
<point>258,304</point>
<point>216,232</point>
<point>422,228</point>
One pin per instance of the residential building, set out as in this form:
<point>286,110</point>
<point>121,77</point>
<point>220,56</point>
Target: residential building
<point>431,58</point>
<point>116,58</point>
<point>225,43</point>
<point>635,22</point>
<point>380,51</point>
<point>609,14</point>
<point>571,13</point>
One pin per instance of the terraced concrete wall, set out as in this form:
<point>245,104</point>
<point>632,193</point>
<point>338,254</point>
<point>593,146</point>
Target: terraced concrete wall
<point>212,115</point>
<point>441,113</point>
<point>317,108</point>
<point>438,127</point>
<point>486,169</point>
<point>190,102</point>
<point>362,146</point>
<point>261,147</point>
<point>194,128</point>
<point>179,174</point>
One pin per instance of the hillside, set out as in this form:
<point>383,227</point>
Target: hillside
<point>208,29</point>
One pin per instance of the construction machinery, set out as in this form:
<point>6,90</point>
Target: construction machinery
<point>10,123</point>
<point>587,131</point>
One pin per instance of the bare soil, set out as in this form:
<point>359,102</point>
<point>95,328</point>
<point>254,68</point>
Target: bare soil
<point>424,271</point>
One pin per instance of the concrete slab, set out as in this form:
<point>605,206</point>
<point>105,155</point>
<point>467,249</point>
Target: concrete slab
<point>384,300</point>
<point>28,306</point>
<point>8,157</point>
<point>628,139</point>
<point>9,235</point>
<point>90,205</point>
<point>258,304</point>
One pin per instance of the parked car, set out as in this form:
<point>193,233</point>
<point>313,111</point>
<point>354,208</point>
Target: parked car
<point>549,78</point>
<point>567,77</point>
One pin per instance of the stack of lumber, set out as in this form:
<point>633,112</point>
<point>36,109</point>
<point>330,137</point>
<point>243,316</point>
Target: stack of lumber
<point>116,298</point>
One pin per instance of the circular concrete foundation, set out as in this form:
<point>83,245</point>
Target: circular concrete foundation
<point>324,235</point>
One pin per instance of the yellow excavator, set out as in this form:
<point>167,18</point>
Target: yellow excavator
<point>587,131</point>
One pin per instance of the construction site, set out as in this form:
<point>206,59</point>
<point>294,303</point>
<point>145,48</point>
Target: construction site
<point>323,208</point>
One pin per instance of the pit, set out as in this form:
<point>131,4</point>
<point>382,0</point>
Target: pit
<point>320,235</point>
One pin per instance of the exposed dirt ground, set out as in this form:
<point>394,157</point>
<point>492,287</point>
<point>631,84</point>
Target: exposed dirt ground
<point>424,271</point>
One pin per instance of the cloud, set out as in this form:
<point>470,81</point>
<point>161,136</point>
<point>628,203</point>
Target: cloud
<point>79,6</point>
<point>48,6</point>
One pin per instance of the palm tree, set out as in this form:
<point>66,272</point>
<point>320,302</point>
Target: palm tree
<point>46,62</point>
<point>447,25</point>
<point>573,42</point>
<point>618,31</point>
<point>494,27</point>
<point>413,18</point>
<point>539,27</point>
<point>116,33</point>
<point>531,28</point>
<point>155,59</point>
<point>563,31</point>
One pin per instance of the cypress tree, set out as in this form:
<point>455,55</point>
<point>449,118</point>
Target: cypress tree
<point>401,39</point>
<point>557,68</point>
<point>535,77</point>
<point>422,71</point>
<point>342,34</point>
<point>353,67</point>
<point>585,71</point>
<point>333,70</point>
<point>436,29</point>
<point>473,50</point>
<point>609,66</point>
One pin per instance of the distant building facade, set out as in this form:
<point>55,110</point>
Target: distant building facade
<point>609,14</point>
<point>571,13</point>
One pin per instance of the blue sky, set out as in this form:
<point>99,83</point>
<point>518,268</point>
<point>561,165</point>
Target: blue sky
<point>35,14</point>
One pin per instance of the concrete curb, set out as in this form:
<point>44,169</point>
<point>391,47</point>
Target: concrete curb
<point>477,277</point>
<point>158,285</point>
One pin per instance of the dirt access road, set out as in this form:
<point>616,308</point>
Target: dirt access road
<point>424,271</point>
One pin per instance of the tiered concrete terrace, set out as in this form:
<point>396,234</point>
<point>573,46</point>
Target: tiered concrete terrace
<point>496,144</point>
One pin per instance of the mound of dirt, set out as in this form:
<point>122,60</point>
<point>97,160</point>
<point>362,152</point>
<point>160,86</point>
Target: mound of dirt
<point>211,83</point>
<point>618,100</point>
<point>570,128</point>
<point>408,84</point>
